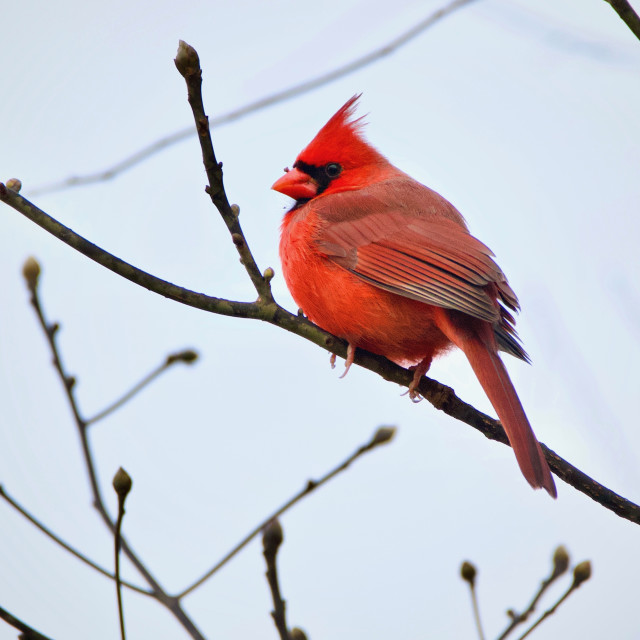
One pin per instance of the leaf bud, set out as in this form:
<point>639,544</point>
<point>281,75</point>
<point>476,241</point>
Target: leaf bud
<point>272,536</point>
<point>581,573</point>
<point>560,561</point>
<point>468,572</point>
<point>31,272</point>
<point>188,356</point>
<point>122,483</point>
<point>187,61</point>
<point>14,184</point>
<point>383,435</point>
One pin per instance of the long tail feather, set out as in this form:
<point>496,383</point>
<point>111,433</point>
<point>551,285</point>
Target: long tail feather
<point>478,344</point>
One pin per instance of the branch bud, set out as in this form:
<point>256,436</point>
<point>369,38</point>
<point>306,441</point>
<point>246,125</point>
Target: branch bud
<point>14,184</point>
<point>297,634</point>
<point>122,483</point>
<point>188,356</point>
<point>560,562</point>
<point>468,573</point>
<point>268,274</point>
<point>581,573</point>
<point>383,435</point>
<point>31,272</point>
<point>187,61</point>
<point>272,536</point>
<point>235,209</point>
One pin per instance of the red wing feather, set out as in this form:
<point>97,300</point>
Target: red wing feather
<point>419,249</point>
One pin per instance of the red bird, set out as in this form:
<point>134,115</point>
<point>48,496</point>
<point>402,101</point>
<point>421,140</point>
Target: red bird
<point>384,262</point>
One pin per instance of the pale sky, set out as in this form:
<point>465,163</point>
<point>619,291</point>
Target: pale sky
<point>523,113</point>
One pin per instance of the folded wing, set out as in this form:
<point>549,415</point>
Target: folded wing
<point>405,238</point>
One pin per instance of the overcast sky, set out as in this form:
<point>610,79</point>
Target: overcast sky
<point>523,113</point>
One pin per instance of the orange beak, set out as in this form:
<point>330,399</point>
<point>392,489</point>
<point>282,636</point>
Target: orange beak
<point>297,185</point>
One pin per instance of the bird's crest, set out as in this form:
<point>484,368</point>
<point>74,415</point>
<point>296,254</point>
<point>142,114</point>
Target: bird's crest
<point>341,140</point>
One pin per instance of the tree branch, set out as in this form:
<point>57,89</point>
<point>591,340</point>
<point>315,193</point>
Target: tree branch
<point>188,64</point>
<point>31,272</point>
<point>559,568</point>
<point>628,15</point>
<point>439,395</point>
<point>72,550</point>
<point>381,436</point>
<point>581,573</point>
<point>122,486</point>
<point>189,357</point>
<point>28,633</point>
<point>272,538</point>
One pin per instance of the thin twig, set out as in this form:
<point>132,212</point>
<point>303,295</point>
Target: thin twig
<point>476,611</point>
<point>188,64</point>
<point>148,379</point>
<point>548,612</point>
<point>272,538</point>
<point>20,509</point>
<point>122,486</point>
<point>381,436</point>
<point>28,633</point>
<point>439,395</point>
<point>280,96</point>
<point>628,15</point>
<point>68,381</point>
<point>468,572</point>
<point>581,573</point>
<point>560,565</point>
<point>116,545</point>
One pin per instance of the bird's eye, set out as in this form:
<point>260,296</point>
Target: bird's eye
<point>333,170</point>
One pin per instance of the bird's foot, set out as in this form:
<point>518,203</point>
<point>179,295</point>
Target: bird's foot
<point>418,372</point>
<point>413,392</point>
<point>351,352</point>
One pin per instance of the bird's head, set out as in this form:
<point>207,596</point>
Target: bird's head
<point>337,159</point>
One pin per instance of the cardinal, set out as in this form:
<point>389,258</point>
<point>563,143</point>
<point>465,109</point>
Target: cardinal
<point>372,256</point>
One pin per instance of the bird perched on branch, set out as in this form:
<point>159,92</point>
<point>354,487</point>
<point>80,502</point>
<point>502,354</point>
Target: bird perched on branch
<point>374,257</point>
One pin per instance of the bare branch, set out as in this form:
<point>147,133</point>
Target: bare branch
<point>468,572</point>
<point>68,382</point>
<point>72,550</point>
<point>560,565</point>
<point>272,538</point>
<point>581,573</point>
<point>280,96</point>
<point>28,633</point>
<point>188,65</point>
<point>628,15</point>
<point>122,485</point>
<point>381,436</point>
<point>439,395</point>
<point>184,356</point>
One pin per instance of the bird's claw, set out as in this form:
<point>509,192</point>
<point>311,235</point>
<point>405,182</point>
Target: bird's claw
<point>418,372</point>
<point>351,352</point>
<point>414,395</point>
